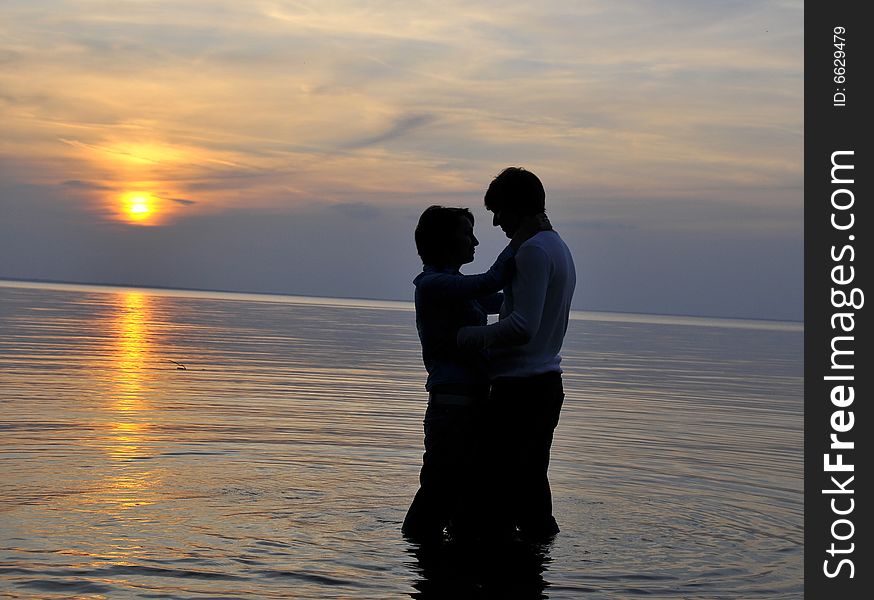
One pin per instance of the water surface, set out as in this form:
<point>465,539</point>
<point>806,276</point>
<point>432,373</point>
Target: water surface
<point>279,463</point>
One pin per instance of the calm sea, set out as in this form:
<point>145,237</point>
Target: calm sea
<point>280,462</point>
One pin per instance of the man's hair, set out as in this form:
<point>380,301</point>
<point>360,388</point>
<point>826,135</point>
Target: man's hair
<point>435,225</point>
<point>517,190</point>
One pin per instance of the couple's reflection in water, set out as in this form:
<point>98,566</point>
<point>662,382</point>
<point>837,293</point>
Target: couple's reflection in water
<point>479,569</point>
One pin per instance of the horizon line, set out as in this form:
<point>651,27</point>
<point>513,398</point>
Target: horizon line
<point>350,301</point>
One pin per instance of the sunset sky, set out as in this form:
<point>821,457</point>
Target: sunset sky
<point>289,147</point>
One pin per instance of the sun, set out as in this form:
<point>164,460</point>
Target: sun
<point>138,207</point>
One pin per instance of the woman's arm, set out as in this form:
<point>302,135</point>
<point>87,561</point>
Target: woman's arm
<point>529,296</point>
<point>453,286</point>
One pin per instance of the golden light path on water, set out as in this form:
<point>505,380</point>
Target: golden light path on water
<point>126,418</point>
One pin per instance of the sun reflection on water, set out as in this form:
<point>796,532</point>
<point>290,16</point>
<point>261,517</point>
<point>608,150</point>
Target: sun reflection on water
<point>132,350</point>
<point>128,418</point>
<point>129,414</point>
<point>127,440</point>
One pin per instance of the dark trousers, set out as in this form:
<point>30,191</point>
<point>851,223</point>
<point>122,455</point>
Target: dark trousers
<point>517,423</point>
<point>447,469</point>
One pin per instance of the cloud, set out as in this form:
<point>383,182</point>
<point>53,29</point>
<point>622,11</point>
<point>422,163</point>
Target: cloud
<point>399,128</point>
<point>78,184</point>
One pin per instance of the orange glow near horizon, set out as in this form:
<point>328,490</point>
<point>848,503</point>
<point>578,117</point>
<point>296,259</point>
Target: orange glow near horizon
<point>147,182</point>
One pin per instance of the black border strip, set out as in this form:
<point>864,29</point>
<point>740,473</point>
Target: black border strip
<point>838,229</point>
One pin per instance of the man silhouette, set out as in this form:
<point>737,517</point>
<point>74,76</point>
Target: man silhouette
<point>526,394</point>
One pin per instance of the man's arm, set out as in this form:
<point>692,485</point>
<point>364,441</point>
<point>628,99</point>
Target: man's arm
<point>529,296</point>
<point>464,287</point>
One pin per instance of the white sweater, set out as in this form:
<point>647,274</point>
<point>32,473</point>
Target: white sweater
<point>527,339</point>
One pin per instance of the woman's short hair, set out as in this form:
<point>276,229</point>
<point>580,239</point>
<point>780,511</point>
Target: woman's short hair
<point>435,225</point>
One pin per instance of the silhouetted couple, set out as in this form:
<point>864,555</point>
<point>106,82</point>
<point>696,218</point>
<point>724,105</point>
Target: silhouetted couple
<point>495,391</point>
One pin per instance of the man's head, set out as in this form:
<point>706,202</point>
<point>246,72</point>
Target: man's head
<point>514,194</point>
<point>444,236</point>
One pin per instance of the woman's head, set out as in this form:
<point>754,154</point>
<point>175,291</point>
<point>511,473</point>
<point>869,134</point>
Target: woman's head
<point>444,236</point>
